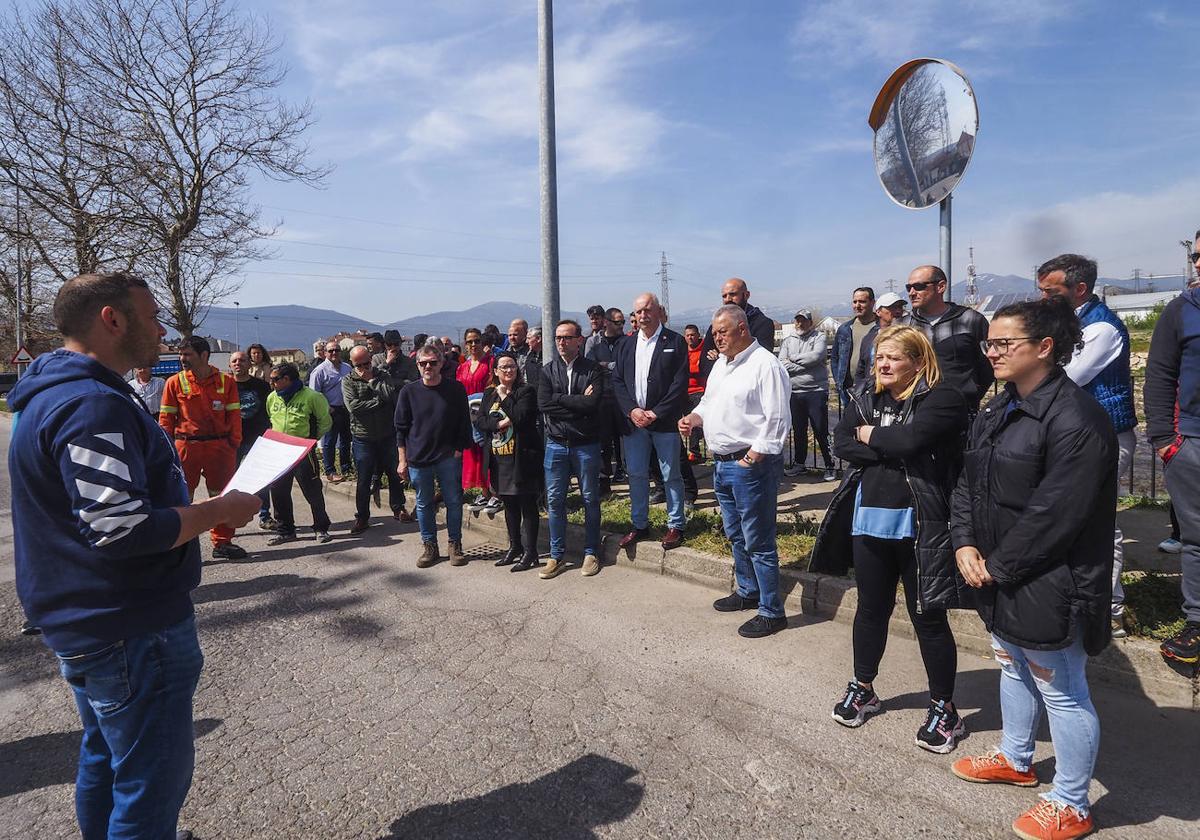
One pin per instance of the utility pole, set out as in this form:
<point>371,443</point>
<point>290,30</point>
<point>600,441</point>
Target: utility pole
<point>1187,260</point>
<point>257,330</point>
<point>548,171</point>
<point>665,297</point>
<point>236,338</point>
<point>1036,290</point>
<point>972,288</point>
<point>1137,280</point>
<point>891,284</point>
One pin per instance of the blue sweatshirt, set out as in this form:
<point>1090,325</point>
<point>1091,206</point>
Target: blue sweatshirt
<point>94,479</point>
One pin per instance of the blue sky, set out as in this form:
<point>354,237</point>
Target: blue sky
<point>731,136</point>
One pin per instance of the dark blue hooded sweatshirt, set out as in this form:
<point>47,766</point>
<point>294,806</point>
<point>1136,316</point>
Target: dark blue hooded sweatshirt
<point>94,479</point>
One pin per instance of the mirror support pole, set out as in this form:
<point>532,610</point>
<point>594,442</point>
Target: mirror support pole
<point>944,244</point>
<point>549,180</point>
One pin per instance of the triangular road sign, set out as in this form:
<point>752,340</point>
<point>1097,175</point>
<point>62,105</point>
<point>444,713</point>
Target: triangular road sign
<point>22,356</point>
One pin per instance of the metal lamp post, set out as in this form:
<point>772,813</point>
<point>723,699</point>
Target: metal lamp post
<point>549,180</point>
<point>236,338</point>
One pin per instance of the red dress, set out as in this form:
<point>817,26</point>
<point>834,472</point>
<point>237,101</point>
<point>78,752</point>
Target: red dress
<point>475,383</point>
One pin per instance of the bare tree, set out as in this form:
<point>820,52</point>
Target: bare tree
<point>154,115</point>
<point>917,126</point>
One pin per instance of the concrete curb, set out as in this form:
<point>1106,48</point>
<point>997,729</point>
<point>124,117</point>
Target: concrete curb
<point>1133,665</point>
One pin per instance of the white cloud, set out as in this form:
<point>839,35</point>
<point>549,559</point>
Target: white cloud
<point>836,34</point>
<point>472,91</point>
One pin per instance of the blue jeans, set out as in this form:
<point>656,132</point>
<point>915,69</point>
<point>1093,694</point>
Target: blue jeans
<point>448,473</point>
<point>561,462</point>
<point>135,702</point>
<point>372,457</point>
<point>1057,678</point>
<point>666,447</point>
<point>338,436</point>
<point>748,497</point>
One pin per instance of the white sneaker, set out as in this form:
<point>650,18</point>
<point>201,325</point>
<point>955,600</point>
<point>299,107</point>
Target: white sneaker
<point>1170,546</point>
<point>478,505</point>
<point>830,475</point>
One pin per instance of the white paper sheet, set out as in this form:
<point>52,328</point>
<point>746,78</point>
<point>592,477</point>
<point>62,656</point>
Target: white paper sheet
<point>272,456</point>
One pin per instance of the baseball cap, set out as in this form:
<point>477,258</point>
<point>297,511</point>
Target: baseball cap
<point>805,314</point>
<point>887,299</point>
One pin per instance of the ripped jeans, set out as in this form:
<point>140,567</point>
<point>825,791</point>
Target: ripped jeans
<point>1056,679</point>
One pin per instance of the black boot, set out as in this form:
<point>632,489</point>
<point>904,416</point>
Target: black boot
<point>528,561</point>
<point>511,557</point>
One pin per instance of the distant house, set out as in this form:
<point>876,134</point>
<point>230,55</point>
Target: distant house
<point>1139,305</point>
<point>294,355</point>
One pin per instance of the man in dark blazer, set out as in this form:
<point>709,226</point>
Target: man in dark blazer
<point>570,395</point>
<point>650,382</point>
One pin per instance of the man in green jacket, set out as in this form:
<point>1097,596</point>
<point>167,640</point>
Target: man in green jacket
<point>299,411</point>
<point>370,393</point>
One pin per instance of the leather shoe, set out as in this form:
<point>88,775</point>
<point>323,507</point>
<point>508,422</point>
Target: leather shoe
<point>760,626</point>
<point>360,526</point>
<point>529,561</point>
<point>513,555</point>
<point>672,539</point>
<point>633,536</point>
<point>735,602</point>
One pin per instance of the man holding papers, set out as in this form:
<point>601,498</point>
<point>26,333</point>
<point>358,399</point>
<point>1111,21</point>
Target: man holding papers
<point>299,411</point>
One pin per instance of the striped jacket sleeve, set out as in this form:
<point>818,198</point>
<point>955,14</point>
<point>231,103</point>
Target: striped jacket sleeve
<point>100,454</point>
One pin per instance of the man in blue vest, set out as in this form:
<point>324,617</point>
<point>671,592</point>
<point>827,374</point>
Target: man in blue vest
<point>1100,367</point>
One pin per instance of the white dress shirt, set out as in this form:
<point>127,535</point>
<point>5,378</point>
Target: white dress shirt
<point>746,403</point>
<point>641,367</point>
<point>570,368</point>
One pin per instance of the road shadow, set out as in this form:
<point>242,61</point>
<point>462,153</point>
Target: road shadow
<point>229,590</point>
<point>51,759</point>
<point>567,804</point>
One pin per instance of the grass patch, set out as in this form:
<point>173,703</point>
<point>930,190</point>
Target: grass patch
<point>704,531</point>
<point>1142,503</point>
<point>1152,604</point>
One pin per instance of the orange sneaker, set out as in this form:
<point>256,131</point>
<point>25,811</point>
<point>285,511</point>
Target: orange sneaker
<point>1050,820</point>
<point>992,768</point>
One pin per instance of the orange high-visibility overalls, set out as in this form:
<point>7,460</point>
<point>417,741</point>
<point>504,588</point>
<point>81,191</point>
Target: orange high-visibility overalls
<point>205,419</point>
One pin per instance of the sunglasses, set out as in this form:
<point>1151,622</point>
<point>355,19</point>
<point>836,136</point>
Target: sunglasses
<point>1195,255</point>
<point>427,363</point>
<point>566,337</point>
<point>918,287</point>
<point>471,341</point>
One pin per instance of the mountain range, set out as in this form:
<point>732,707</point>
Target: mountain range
<point>293,326</point>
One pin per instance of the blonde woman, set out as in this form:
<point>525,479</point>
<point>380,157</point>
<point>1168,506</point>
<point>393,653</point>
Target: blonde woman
<point>902,437</point>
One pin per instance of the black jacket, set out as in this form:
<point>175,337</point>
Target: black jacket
<point>762,327</point>
<point>1037,497</point>
<point>571,419</point>
<point>521,408</point>
<point>926,444</point>
<point>955,338</point>
<point>666,382</point>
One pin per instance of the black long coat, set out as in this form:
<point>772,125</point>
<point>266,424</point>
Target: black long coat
<point>926,444</point>
<point>522,409</point>
<point>1037,497</point>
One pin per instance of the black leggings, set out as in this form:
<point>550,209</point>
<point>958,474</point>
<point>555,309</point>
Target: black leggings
<point>878,566</point>
<point>521,518</point>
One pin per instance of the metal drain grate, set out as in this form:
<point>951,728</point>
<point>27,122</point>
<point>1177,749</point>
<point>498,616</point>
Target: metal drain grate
<point>487,551</point>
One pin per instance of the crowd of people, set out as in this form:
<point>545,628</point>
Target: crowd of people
<point>1005,507</point>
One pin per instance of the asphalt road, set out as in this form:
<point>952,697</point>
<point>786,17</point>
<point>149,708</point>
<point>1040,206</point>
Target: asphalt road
<point>348,694</point>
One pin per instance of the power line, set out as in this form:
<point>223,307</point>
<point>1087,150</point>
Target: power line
<point>426,280</point>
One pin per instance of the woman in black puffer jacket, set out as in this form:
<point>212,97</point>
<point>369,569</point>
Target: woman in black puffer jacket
<point>1032,520</point>
<point>902,434</point>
